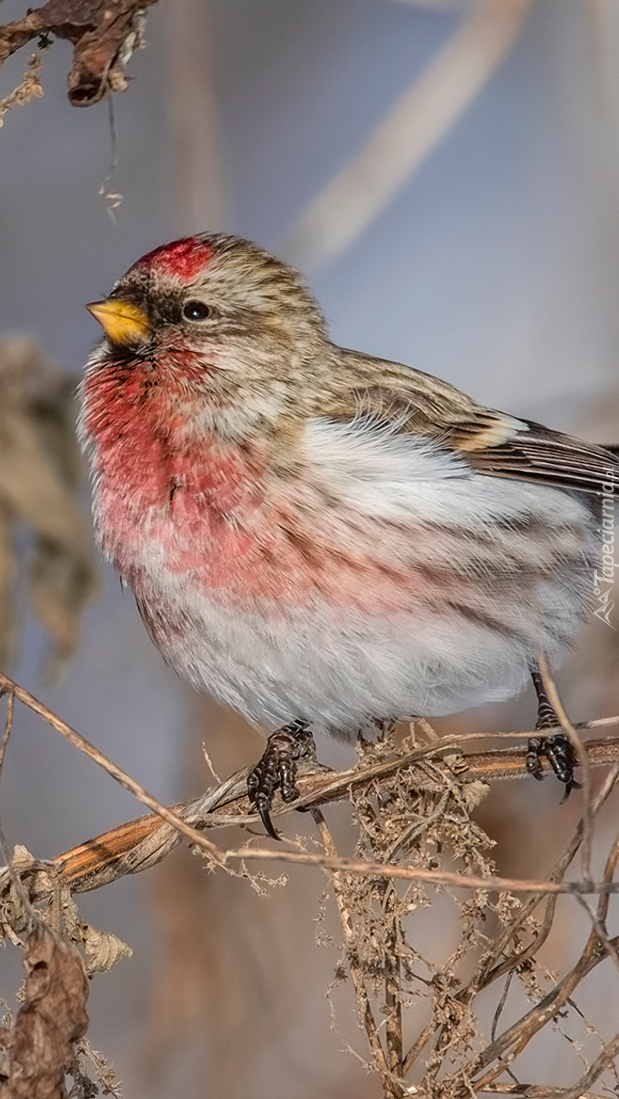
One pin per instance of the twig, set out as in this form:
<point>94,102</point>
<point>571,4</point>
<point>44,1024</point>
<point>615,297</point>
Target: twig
<point>393,994</point>
<point>416,1048</point>
<point>135,846</point>
<point>39,883</point>
<point>532,1091</point>
<point>506,1048</point>
<point>583,759</point>
<point>601,1063</point>
<point>112,769</point>
<point>8,727</point>
<point>364,1010</point>
<point>609,873</point>
<point>600,931</point>
<point>488,975</point>
<point>139,844</point>
<point>501,1005</point>
<point>13,877</point>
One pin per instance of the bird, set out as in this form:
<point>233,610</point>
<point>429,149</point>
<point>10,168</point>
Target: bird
<point>318,538</point>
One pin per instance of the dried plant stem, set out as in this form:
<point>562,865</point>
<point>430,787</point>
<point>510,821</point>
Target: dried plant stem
<point>140,844</point>
<point>137,846</point>
<point>392,1089</point>
<point>100,861</point>
<point>408,802</point>
<point>581,755</point>
<point>487,974</point>
<point>8,726</point>
<point>13,877</point>
<point>600,931</point>
<point>531,1091</point>
<point>78,741</point>
<point>605,1058</point>
<point>506,1048</point>
<point>393,997</point>
<point>418,1045</point>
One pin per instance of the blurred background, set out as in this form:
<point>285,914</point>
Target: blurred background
<point>447,175</point>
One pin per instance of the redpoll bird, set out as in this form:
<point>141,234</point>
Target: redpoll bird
<point>316,537</point>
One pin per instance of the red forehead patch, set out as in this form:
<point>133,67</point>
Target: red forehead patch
<point>184,258</point>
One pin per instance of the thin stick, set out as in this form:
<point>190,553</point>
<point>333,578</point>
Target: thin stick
<point>352,866</point>
<point>141,843</point>
<point>99,861</point>
<point>408,873</point>
<point>601,1063</point>
<point>506,1048</point>
<point>14,877</point>
<point>535,1091</point>
<point>583,759</point>
<point>108,765</point>
<point>600,931</point>
<point>10,706</point>
<point>489,975</point>
<point>364,1009</point>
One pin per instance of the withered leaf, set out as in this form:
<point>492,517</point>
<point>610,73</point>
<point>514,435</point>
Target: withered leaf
<point>40,473</point>
<point>103,33</point>
<point>39,1048</point>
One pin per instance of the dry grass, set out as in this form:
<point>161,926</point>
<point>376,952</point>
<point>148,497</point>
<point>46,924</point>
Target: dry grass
<point>425,1017</point>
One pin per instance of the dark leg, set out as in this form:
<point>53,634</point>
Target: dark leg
<point>557,748</point>
<point>276,770</point>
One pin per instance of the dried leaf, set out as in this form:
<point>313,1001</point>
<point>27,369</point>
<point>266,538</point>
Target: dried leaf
<point>38,1049</point>
<point>8,627</point>
<point>103,949</point>
<point>40,473</point>
<point>103,33</point>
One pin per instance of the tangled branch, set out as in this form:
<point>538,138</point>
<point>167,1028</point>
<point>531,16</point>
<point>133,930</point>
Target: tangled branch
<point>412,801</point>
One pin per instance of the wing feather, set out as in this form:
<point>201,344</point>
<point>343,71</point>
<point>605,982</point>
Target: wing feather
<point>491,441</point>
<point>539,454</point>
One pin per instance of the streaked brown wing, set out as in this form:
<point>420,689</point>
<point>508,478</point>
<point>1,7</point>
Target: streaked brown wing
<point>491,441</point>
<point>539,454</point>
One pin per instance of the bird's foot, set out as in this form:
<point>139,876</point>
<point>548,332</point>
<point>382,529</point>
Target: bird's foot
<point>559,752</point>
<point>557,747</point>
<point>277,769</point>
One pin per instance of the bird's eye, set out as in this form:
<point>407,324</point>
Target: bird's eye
<point>196,311</point>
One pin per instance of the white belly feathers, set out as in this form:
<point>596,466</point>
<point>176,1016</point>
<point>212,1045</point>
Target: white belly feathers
<point>520,556</point>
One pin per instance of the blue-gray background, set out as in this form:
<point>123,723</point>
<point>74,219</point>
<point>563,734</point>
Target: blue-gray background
<point>495,266</point>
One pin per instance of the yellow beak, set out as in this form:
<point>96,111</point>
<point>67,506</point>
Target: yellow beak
<point>122,321</point>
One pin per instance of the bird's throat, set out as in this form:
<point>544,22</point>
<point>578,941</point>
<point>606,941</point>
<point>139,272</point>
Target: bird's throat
<point>155,477</point>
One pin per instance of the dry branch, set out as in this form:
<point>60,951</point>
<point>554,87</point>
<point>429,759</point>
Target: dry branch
<point>410,804</point>
<point>140,844</point>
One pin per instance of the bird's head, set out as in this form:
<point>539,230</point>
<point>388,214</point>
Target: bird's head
<point>219,321</point>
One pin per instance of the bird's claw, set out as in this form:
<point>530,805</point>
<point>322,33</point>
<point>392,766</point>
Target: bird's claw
<point>559,752</point>
<point>263,804</point>
<point>276,770</point>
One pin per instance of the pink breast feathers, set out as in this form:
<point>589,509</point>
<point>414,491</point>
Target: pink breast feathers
<point>215,512</point>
